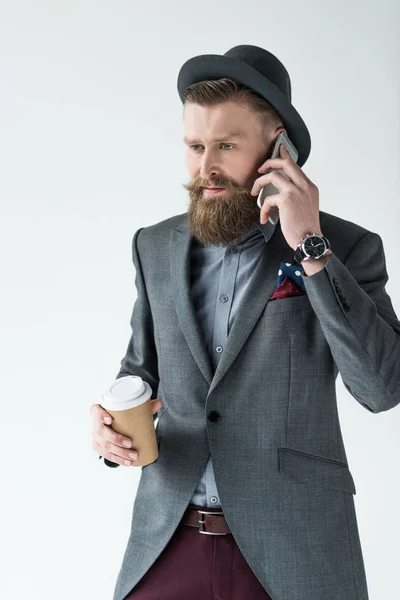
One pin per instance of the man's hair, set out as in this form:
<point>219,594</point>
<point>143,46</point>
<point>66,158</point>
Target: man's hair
<point>210,92</point>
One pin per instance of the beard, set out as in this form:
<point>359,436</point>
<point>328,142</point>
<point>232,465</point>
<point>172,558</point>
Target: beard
<point>218,220</point>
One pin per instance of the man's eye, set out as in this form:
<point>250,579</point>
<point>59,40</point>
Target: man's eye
<point>198,145</point>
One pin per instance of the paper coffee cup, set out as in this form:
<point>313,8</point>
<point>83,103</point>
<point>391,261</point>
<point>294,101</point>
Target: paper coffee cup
<point>128,401</point>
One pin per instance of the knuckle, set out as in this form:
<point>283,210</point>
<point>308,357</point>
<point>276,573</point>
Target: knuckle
<point>106,444</point>
<point>98,448</point>
<point>310,183</point>
<point>97,432</point>
<point>96,420</point>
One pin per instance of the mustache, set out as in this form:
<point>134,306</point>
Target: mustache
<point>198,183</point>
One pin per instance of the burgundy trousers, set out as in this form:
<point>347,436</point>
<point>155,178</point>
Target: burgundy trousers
<point>195,566</point>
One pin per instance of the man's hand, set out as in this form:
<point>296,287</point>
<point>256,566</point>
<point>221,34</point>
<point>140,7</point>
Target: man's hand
<point>297,201</point>
<point>109,443</point>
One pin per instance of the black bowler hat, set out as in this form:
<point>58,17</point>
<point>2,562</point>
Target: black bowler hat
<point>262,72</point>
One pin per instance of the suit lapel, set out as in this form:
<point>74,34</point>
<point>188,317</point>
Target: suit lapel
<point>181,240</point>
<point>260,288</point>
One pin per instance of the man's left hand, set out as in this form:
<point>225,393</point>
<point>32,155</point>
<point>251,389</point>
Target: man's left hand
<point>297,201</point>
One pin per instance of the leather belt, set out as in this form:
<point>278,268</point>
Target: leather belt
<point>209,523</point>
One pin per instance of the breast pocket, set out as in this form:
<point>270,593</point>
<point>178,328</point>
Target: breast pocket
<point>301,302</point>
<point>316,470</point>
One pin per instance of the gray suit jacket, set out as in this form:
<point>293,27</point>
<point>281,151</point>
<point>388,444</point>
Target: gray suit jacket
<point>278,454</point>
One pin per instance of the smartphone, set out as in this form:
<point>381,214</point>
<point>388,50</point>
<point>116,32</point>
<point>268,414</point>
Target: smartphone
<point>270,189</point>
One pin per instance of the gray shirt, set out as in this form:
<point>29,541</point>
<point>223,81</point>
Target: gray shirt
<point>219,278</point>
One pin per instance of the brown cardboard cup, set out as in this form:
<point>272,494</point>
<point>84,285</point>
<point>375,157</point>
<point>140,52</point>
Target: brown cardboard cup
<point>128,400</point>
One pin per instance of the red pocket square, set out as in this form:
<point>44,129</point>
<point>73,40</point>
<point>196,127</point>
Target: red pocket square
<point>289,282</point>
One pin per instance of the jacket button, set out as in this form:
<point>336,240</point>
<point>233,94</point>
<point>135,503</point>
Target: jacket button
<point>213,416</point>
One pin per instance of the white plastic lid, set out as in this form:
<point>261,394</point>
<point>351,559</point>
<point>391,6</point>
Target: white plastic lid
<point>126,392</point>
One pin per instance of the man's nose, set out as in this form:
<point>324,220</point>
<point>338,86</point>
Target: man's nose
<point>209,169</point>
<point>210,176</point>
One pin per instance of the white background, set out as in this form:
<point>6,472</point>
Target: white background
<point>91,149</point>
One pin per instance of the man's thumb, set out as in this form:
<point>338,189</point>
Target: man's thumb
<point>156,405</point>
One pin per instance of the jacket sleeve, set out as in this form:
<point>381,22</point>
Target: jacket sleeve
<point>359,322</point>
<point>141,356</point>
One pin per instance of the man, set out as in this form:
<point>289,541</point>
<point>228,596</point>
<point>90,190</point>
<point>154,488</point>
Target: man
<point>241,326</point>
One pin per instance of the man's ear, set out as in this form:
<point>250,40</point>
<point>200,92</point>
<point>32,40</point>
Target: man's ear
<point>278,132</point>
<point>276,135</point>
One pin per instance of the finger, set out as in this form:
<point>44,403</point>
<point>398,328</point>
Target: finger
<point>100,414</point>
<point>287,165</point>
<point>106,432</point>
<point>284,153</point>
<point>279,181</point>
<point>112,441</point>
<point>114,454</point>
<point>156,405</point>
<point>267,207</point>
<point>108,447</point>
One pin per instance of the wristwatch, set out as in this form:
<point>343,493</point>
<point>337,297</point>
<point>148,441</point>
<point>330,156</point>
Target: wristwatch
<point>312,246</point>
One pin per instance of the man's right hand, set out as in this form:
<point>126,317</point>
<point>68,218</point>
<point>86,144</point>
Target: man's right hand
<point>109,443</point>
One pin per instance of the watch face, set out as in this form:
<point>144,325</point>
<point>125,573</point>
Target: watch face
<point>314,246</point>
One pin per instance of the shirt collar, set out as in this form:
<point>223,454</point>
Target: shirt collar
<point>267,229</point>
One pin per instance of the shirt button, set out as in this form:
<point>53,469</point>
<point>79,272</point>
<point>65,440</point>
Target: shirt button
<point>224,298</point>
<point>219,348</point>
<point>214,499</point>
<point>234,249</point>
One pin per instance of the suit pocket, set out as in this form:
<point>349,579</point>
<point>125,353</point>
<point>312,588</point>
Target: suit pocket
<point>308,468</point>
<point>301,302</point>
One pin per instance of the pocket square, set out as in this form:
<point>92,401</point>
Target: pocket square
<point>289,281</point>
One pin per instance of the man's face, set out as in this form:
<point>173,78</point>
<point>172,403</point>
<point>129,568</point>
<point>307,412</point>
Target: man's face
<point>216,158</point>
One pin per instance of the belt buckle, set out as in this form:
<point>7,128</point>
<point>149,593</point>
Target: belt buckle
<point>202,522</point>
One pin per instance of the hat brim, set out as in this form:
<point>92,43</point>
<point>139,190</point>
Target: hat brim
<point>214,66</point>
